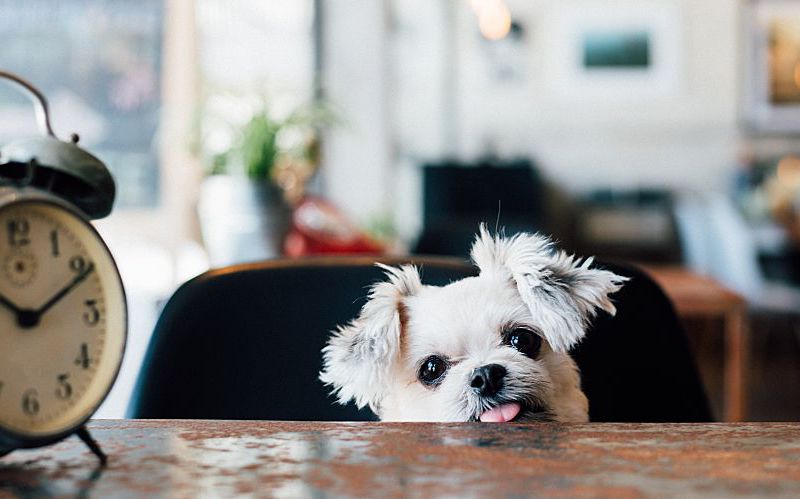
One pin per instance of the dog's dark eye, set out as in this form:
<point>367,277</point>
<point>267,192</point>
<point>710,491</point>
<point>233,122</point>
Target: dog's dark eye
<point>432,370</point>
<point>524,340</point>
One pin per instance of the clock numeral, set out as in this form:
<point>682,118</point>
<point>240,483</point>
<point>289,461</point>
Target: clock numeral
<point>83,359</point>
<point>54,243</point>
<point>1,388</point>
<point>18,232</point>
<point>30,402</point>
<point>77,264</point>
<point>92,316</point>
<point>64,390</point>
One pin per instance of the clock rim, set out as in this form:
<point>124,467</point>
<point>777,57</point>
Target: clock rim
<point>12,439</point>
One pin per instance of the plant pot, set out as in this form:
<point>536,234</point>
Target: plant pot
<point>241,219</point>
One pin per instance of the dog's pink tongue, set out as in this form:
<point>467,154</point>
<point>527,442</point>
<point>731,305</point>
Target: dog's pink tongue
<point>501,414</point>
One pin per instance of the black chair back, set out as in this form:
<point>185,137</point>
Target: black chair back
<point>458,197</point>
<point>245,342</point>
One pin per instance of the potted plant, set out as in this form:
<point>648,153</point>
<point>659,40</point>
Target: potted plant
<point>245,204</point>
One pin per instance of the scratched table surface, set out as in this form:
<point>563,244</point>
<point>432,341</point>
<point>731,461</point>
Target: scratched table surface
<point>292,459</point>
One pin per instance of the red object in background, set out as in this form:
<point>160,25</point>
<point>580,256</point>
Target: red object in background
<point>319,228</point>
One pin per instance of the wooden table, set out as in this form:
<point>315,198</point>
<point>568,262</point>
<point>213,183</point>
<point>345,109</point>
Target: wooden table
<point>234,458</point>
<point>697,296</point>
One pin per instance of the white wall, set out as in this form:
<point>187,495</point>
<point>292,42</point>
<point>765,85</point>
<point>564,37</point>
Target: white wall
<point>443,99</point>
<point>684,136</point>
<point>357,155</point>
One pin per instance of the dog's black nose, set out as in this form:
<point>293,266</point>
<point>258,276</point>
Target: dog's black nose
<point>488,380</point>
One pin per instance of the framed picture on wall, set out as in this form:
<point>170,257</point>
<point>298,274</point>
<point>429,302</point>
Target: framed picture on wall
<point>772,68</point>
<point>619,50</point>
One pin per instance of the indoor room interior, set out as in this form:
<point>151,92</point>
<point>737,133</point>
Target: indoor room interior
<point>658,134</point>
<point>683,155</point>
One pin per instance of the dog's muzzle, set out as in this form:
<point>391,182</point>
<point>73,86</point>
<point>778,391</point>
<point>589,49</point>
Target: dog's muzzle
<point>487,380</point>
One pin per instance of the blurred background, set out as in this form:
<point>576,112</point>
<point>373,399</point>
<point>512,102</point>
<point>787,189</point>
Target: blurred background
<point>661,132</point>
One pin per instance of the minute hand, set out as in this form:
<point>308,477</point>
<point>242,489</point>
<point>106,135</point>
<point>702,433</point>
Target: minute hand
<point>66,289</point>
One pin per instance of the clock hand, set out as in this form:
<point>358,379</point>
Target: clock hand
<point>65,290</point>
<point>10,305</point>
<point>26,318</point>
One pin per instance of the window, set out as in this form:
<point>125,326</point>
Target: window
<point>99,64</point>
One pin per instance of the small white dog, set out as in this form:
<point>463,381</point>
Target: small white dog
<point>491,348</point>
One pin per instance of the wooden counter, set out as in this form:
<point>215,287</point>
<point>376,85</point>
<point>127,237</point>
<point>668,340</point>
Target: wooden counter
<point>230,458</point>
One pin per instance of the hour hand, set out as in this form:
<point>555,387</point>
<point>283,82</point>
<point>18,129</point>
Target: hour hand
<point>10,305</point>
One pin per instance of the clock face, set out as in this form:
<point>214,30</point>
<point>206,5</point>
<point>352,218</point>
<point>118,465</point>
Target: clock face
<point>62,319</point>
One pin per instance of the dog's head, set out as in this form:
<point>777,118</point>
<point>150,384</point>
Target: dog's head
<point>491,347</point>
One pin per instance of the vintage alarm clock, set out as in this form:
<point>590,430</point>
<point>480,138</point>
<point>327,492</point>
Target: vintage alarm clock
<point>63,318</point>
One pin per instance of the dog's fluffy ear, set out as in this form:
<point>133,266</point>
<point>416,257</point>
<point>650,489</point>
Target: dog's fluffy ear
<point>561,292</point>
<point>359,357</point>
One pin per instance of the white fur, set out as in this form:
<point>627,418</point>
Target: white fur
<point>523,281</point>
